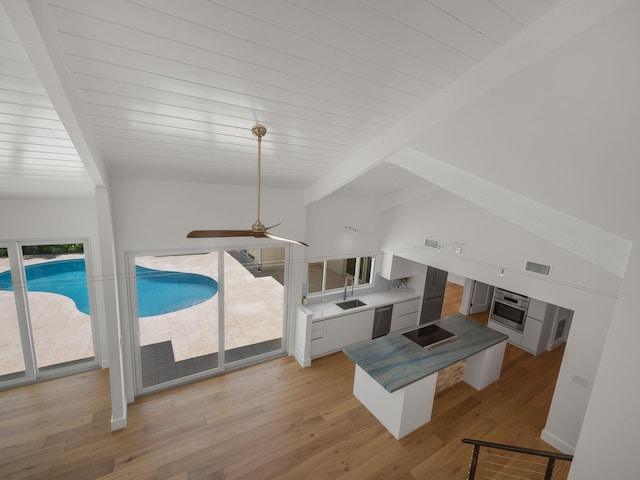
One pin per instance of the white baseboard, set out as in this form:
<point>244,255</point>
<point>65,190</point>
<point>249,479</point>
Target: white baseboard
<point>118,423</point>
<point>304,362</point>
<point>555,442</point>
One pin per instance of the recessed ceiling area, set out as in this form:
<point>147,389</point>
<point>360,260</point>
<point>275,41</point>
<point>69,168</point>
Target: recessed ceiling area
<point>170,89</point>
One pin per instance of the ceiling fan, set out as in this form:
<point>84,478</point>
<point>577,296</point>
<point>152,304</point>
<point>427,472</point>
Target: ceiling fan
<point>258,230</point>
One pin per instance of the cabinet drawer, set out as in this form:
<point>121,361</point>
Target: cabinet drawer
<point>409,306</point>
<point>515,338</point>
<point>317,330</point>
<point>407,320</point>
<point>316,347</point>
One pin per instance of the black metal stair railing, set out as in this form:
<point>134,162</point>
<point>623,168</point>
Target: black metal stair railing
<point>507,461</point>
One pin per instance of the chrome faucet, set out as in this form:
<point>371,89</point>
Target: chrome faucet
<point>346,281</point>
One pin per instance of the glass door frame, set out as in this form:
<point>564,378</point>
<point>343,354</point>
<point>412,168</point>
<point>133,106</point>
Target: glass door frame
<point>222,367</point>
<point>132,291</point>
<point>19,279</point>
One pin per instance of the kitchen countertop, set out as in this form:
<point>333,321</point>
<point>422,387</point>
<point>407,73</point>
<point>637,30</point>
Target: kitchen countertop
<point>394,361</point>
<point>328,309</point>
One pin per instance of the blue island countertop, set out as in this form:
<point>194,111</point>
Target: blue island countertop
<point>395,361</point>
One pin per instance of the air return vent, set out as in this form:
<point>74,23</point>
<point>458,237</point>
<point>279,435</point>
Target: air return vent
<point>431,243</point>
<point>537,268</point>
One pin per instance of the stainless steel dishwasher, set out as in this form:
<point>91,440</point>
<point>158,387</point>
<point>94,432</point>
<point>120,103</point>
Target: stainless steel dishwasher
<point>382,321</point>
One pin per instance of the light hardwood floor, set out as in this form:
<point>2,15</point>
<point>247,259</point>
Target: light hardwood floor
<point>273,420</point>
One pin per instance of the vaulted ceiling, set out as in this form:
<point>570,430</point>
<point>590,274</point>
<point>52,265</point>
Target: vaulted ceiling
<point>170,89</point>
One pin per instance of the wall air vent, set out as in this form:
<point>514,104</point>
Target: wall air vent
<point>537,268</point>
<point>429,242</point>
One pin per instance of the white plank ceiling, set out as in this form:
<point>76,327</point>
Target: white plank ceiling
<point>170,89</point>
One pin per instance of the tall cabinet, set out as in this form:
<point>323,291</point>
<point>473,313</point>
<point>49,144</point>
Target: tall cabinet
<point>546,327</point>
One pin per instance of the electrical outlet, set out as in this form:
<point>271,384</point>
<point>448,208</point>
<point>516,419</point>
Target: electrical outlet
<point>583,382</point>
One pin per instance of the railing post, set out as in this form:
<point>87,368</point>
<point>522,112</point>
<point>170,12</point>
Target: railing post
<point>474,462</point>
<point>550,465</point>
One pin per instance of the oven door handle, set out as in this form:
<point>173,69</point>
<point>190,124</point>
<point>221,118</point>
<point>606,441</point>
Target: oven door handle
<point>519,307</point>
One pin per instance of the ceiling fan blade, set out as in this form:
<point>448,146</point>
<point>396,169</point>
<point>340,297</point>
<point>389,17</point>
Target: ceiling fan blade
<point>275,237</point>
<point>220,233</point>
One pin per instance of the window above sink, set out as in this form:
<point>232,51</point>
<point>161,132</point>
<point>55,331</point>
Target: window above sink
<point>329,275</point>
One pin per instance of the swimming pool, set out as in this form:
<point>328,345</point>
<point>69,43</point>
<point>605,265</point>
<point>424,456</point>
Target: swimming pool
<point>159,291</point>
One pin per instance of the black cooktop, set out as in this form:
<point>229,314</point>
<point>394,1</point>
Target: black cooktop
<point>429,336</point>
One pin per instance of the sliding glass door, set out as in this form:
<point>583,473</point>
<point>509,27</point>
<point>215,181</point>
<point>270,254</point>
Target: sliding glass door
<point>177,315</point>
<point>254,300</point>
<point>58,300</point>
<point>47,329</point>
<point>12,364</point>
<point>196,314</point>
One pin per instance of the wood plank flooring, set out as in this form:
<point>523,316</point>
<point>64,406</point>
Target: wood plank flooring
<point>270,421</point>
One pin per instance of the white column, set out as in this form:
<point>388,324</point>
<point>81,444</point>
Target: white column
<point>484,368</point>
<point>402,411</point>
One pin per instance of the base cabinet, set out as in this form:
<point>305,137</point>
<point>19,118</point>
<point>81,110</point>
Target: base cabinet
<point>338,332</point>
<point>515,337</point>
<point>405,314</point>
<point>316,347</point>
<point>315,338</point>
<point>537,326</point>
<point>532,336</point>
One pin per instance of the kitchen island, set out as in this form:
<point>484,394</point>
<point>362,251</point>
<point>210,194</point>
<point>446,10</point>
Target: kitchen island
<point>395,377</point>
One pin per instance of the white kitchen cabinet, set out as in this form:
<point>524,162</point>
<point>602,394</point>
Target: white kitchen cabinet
<point>362,326</point>
<point>321,330</point>
<point>338,332</point>
<point>334,333</point>
<point>531,336</point>
<point>537,326</point>
<point>537,309</point>
<point>515,337</point>
<point>394,267</point>
<point>316,347</point>
<point>302,342</point>
<point>405,314</point>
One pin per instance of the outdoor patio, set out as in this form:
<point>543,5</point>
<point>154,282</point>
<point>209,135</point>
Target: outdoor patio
<point>253,314</point>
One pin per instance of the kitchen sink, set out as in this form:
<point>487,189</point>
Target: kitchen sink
<point>350,304</point>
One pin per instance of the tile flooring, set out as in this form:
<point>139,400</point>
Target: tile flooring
<point>159,364</point>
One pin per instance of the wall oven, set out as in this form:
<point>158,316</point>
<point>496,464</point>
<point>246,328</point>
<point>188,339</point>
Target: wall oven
<point>509,309</point>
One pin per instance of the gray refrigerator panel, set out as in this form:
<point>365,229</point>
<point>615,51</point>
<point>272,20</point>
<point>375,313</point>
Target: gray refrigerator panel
<point>435,283</point>
<point>431,310</point>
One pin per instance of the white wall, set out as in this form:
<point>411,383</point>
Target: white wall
<point>607,447</point>
<point>562,131</point>
<point>326,222</point>
<point>327,235</point>
<point>559,130</point>
<point>154,215</point>
<point>36,219</point>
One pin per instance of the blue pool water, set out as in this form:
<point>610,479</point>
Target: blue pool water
<point>159,291</point>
